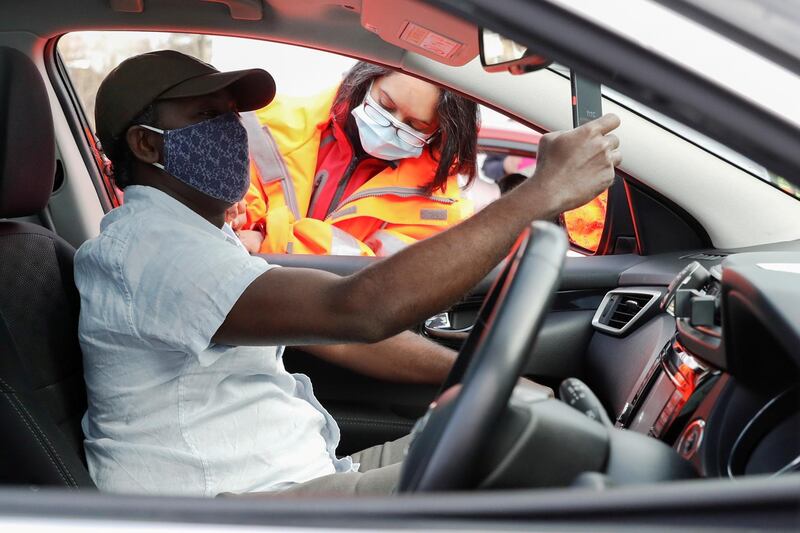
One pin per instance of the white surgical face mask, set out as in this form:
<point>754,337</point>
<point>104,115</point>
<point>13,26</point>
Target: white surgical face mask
<point>380,133</point>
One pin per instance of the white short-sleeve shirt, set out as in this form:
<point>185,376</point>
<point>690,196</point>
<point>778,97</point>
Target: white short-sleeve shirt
<point>169,411</point>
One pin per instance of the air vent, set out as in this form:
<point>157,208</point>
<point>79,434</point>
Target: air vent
<point>622,309</point>
<point>705,257</point>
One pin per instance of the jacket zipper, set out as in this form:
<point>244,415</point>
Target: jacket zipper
<point>342,185</point>
<point>319,183</point>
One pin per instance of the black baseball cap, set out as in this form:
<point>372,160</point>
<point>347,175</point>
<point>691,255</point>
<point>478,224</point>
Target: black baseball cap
<point>140,80</point>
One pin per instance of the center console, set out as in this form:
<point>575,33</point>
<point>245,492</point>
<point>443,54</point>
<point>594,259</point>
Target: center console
<point>675,381</point>
<point>727,399</point>
<point>664,392</point>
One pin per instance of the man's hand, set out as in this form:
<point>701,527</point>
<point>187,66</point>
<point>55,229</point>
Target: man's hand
<point>305,306</point>
<point>575,166</point>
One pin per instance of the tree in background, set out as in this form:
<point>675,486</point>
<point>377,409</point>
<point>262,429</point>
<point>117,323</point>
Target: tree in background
<point>90,56</point>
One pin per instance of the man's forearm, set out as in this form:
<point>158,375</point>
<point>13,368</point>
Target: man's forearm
<point>306,306</point>
<point>423,279</point>
<point>404,358</point>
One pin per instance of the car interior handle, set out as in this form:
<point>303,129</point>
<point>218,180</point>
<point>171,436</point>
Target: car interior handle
<point>447,334</point>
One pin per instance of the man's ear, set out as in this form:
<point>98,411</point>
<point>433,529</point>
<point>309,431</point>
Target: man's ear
<point>145,145</point>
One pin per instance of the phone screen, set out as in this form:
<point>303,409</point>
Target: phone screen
<point>586,100</point>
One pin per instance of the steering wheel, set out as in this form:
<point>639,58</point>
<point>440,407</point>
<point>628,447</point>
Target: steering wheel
<point>448,439</point>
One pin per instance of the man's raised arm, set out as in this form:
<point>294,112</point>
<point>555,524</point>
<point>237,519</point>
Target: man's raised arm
<point>290,306</point>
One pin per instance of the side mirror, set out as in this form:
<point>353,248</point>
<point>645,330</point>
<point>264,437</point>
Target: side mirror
<point>500,54</point>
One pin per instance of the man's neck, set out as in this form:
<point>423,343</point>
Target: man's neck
<point>210,209</point>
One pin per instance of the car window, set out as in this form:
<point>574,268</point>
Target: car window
<point>506,151</point>
<point>90,56</point>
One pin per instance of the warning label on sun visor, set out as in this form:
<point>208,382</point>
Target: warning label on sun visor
<point>429,40</point>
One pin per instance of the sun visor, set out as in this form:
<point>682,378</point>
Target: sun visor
<point>421,29</point>
<point>238,9</point>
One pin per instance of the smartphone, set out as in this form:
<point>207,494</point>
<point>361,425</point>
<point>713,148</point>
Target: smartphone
<point>586,99</point>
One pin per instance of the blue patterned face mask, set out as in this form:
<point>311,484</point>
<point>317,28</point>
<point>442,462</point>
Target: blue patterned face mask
<point>210,156</point>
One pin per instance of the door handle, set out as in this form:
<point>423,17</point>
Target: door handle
<point>447,334</point>
<point>438,327</point>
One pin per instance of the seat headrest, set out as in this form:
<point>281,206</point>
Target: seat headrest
<point>27,141</point>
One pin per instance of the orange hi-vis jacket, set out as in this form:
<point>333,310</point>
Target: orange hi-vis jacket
<point>388,212</point>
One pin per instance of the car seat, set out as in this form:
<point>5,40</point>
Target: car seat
<point>42,393</point>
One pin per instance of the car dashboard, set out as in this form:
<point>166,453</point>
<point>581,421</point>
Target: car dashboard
<point>708,362</point>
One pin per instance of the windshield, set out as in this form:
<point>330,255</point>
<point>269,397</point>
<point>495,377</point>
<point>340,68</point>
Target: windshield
<point>770,27</point>
<point>700,49</point>
<point>695,137</point>
<point>707,143</point>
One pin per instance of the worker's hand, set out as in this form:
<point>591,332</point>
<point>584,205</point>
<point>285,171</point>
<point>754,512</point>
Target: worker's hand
<point>251,239</point>
<point>236,215</point>
<point>575,166</point>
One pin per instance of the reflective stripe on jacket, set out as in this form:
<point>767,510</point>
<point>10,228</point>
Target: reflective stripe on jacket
<point>388,212</point>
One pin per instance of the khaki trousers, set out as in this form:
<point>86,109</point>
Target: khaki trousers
<point>378,474</point>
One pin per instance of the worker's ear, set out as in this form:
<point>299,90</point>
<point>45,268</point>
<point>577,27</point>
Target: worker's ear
<point>145,144</point>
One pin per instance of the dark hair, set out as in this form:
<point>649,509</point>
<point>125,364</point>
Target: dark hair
<point>509,182</point>
<point>455,146</point>
<point>119,153</point>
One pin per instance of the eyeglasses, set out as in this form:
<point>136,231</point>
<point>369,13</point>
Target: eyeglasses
<point>382,117</point>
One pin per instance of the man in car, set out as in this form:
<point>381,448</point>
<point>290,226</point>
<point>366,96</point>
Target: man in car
<point>182,330</point>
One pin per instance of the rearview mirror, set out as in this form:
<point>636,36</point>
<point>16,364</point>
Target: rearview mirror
<point>500,54</point>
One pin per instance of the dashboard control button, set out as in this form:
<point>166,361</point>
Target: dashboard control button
<point>690,440</point>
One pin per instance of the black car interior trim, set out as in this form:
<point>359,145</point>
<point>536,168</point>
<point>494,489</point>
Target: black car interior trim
<point>662,226</point>
<point>75,116</point>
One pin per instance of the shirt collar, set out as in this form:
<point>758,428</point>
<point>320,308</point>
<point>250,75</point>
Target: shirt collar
<point>137,196</point>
